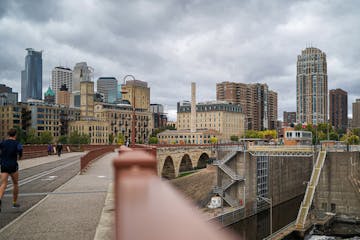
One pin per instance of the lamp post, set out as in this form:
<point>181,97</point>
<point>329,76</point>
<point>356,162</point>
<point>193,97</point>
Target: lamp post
<point>269,201</point>
<point>133,120</point>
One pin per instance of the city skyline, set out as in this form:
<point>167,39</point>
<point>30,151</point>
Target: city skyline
<point>170,44</point>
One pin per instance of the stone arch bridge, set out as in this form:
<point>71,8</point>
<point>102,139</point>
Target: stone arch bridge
<point>174,159</point>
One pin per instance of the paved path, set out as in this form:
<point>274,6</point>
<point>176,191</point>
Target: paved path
<point>28,163</point>
<point>73,211</point>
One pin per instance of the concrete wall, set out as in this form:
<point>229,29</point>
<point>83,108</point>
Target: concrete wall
<point>337,190</point>
<point>287,178</point>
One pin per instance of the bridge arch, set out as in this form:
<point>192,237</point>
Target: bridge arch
<point>202,161</point>
<point>185,164</point>
<point>168,170</point>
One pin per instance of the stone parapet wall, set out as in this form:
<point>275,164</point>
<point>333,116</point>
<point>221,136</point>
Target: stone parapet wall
<point>339,184</point>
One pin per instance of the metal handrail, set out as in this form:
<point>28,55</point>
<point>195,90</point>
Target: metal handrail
<point>310,190</point>
<point>230,172</point>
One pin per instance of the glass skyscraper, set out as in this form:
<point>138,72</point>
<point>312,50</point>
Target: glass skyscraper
<point>108,86</point>
<point>31,77</point>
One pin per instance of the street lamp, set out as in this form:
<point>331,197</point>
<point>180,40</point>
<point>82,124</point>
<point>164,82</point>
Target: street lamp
<point>133,120</point>
<point>269,201</point>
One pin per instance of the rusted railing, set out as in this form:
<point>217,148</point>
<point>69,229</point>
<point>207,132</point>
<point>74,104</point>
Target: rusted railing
<point>94,154</point>
<point>148,208</point>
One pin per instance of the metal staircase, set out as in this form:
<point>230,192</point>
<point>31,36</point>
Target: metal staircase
<point>310,191</point>
<point>230,200</point>
<point>220,189</point>
<point>227,157</point>
<point>234,177</point>
<point>226,169</point>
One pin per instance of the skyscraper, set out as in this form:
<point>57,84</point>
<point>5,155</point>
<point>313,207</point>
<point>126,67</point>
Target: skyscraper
<point>257,101</point>
<point>338,109</point>
<point>311,87</point>
<point>108,86</point>
<point>31,77</point>
<point>81,72</point>
<point>356,114</point>
<point>59,77</point>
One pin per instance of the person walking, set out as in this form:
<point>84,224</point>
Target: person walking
<point>49,149</point>
<point>59,149</point>
<point>10,150</point>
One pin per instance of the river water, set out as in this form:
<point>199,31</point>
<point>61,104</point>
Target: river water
<point>258,226</point>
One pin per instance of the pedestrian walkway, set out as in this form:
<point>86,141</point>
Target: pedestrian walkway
<point>73,211</point>
<point>28,163</point>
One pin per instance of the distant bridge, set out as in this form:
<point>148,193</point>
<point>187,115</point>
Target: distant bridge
<point>174,159</point>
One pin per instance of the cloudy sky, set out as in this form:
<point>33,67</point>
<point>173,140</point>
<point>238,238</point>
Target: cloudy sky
<point>171,43</point>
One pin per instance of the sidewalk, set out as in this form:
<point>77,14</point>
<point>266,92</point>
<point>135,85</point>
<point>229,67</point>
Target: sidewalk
<point>73,211</point>
<point>28,163</point>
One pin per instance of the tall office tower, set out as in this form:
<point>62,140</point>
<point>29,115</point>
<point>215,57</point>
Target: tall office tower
<point>7,96</point>
<point>137,91</point>
<point>59,77</point>
<point>257,101</point>
<point>273,109</point>
<point>31,77</point>
<point>108,86</point>
<point>81,72</point>
<point>355,123</point>
<point>289,118</point>
<point>338,108</point>
<point>311,87</point>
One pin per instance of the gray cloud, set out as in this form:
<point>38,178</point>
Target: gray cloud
<point>171,43</point>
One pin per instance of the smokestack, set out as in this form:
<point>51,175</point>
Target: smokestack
<point>193,107</point>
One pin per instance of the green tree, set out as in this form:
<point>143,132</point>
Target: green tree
<point>85,139</point>
<point>213,140</point>
<point>251,134</point>
<point>32,137</point>
<point>356,131</point>
<point>269,134</point>
<point>234,138</point>
<point>350,139</point>
<point>20,135</point>
<point>153,140</point>
<point>74,138</point>
<point>46,137</point>
<point>334,136</point>
<point>63,139</point>
<point>120,139</point>
<point>353,139</point>
<point>298,127</point>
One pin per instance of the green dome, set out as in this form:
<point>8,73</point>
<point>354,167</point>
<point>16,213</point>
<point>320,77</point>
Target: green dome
<point>50,92</point>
